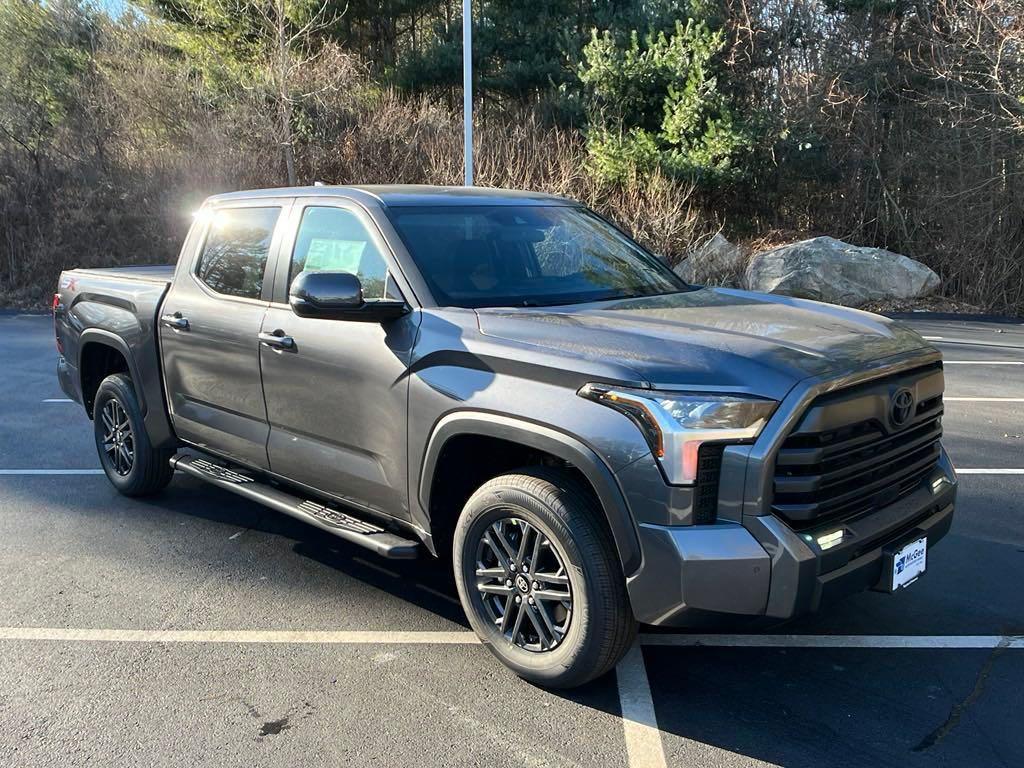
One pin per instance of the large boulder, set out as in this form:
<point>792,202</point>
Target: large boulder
<point>826,269</point>
<point>718,262</point>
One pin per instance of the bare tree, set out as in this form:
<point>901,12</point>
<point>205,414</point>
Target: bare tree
<point>290,48</point>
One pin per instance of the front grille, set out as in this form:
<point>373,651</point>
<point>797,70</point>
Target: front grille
<point>848,470</point>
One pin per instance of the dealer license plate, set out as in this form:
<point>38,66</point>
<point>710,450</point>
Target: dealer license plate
<point>909,562</point>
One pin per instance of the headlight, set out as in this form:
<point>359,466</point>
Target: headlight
<point>676,424</point>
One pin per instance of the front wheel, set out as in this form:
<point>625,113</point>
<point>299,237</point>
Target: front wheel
<point>540,580</point>
<point>130,461</point>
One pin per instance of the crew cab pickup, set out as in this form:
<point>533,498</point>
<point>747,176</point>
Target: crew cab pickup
<point>507,380</point>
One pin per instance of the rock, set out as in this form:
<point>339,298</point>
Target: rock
<point>826,269</point>
<point>718,262</point>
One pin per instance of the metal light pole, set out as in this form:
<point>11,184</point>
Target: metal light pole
<point>467,88</point>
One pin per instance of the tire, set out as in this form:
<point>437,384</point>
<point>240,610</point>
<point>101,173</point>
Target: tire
<point>129,460</point>
<point>569,644</point>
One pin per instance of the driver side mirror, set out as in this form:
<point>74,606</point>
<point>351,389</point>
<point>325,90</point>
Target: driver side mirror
<point>339,296</point>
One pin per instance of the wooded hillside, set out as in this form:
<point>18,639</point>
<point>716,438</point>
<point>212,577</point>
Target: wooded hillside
<point>892,123</point>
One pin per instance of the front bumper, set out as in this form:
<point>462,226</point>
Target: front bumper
<point>699,575</point>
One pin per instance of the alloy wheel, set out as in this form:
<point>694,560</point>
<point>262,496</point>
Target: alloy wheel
<point>526,591</point>
<point>118,440</point>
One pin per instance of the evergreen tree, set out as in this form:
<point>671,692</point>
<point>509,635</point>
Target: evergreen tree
<point>657,103</point>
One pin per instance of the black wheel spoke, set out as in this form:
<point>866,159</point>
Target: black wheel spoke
<point>495,589</point>
<point>552,595</point>
<point>545,640</point>
<point>118,441</point>
<point>538,540</point>
<point>553,578</point>
<point>521,611</point>
<point>524,541</point>
<point>510,551</point>
<point>548,624</point>
<point>506,614</point>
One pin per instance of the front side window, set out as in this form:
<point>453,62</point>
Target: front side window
<point>492,256</point>
<point>234,257</point>
<point>335,240</point>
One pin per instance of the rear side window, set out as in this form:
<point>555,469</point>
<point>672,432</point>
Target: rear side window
<point>234,257</point>
<point>335,240</point>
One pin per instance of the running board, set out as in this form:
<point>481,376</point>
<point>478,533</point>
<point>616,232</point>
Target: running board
<point>334,521</point>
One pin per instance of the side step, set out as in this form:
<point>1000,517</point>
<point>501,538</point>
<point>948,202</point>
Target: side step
<point>334,521</point>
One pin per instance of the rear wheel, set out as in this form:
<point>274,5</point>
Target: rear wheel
<point>131,463</point>
<point>540,580</point>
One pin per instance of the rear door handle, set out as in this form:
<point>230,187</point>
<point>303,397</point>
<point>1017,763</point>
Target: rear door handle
<point>277,340</point>
<point>175,321</point>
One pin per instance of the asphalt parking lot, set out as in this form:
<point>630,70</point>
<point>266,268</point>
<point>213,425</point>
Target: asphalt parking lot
<point>194,628</point>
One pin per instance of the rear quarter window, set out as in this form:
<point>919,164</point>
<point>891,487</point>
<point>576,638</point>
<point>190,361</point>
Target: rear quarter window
<point>233,261</point>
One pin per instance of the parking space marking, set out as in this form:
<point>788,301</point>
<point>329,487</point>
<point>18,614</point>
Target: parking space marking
<point>983,399</point>
<point>983,362</point>
<point>51,471</point>
<point>922,642</point>
<point>240,636</point>
<point>639,722</point>
<point>973,342</point>
<point>58,400</point>
<point>466,637</point>
<point>991,471</point>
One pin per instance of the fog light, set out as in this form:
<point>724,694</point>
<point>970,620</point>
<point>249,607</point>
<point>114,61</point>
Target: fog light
<point>829,540</point>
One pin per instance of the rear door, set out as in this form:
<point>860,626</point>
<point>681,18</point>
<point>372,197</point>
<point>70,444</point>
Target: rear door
<point>209,328</point>
<point>337,398</point>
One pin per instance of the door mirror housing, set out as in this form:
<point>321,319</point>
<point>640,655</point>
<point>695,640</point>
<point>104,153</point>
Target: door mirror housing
<point>339,296</point>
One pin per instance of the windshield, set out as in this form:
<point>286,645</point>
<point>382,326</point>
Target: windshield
<point>499,256</point>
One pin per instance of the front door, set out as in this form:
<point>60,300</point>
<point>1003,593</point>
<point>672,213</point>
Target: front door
<point>209,328</point>
<point>337,398</point>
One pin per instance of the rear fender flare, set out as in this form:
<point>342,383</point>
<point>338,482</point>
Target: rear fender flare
<point>109,339</point>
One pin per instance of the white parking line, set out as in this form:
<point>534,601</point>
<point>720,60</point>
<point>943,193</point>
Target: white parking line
<point>639,722</point>
<point>920,642</point>
<point>983,399</point>
<point>51,471</point>
<point>247,636</point>
<point>465,637</point>
<point>992,471</point>
<point>974,342</point>
<point>58,400</point>
<point>983,362</point>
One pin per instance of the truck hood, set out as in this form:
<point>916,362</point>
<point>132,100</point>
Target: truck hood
<point>710,337</point>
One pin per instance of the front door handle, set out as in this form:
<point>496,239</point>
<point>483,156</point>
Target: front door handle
<point>175,321</point>
<point>277,340</point>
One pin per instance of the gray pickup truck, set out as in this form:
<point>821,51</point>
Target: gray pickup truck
<point>507,379</point>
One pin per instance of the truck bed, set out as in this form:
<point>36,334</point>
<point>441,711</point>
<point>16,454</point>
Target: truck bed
<point>161,273</point>
<point>115,309</point>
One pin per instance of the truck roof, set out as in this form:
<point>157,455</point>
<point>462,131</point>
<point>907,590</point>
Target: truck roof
<point>405,195</point>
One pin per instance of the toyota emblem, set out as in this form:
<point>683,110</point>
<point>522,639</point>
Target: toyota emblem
<point>902,407</point>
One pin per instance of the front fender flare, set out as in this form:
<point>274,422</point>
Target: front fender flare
<point>543,438</point>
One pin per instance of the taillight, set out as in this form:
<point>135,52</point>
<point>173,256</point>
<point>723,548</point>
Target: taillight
<point>53,308</point>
